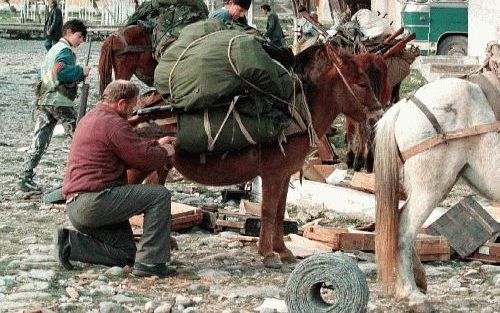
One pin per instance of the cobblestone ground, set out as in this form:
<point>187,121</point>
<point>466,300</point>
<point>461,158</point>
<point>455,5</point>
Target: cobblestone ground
<point>215,273</point>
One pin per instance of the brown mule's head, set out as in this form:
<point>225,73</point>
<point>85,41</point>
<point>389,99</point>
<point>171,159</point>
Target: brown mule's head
<point>359,101</point>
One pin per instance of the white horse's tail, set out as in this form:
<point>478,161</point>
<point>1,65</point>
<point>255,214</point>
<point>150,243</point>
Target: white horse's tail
<point>387,198</point>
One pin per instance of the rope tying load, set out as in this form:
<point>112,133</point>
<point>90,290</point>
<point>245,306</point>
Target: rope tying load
<point>335,271</point>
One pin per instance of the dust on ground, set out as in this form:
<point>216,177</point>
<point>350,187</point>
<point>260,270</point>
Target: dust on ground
<point>214,274</point>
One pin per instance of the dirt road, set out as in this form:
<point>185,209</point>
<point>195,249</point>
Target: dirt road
<point>215,274</point>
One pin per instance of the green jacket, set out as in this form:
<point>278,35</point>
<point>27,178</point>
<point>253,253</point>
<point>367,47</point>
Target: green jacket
<point>59,76</point>
<point>273,29</point>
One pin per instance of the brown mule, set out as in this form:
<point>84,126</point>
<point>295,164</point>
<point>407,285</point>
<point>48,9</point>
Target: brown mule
<point>334,83</point>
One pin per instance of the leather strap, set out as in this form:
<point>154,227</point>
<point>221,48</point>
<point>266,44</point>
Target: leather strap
<point>133,49</point>
<point>427,114</point>
<point>456,134</point>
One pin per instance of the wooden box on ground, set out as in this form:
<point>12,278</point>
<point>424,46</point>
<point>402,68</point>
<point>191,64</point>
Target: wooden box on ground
<point>432,248</point>
<point>488,253</point>
<point>342,238</point>
<point>466,226</point>
<point>183,217</point>
<point>248,224</point>
<point>429,248</point>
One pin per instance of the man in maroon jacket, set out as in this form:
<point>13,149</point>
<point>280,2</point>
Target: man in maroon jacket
<point>99,203</point>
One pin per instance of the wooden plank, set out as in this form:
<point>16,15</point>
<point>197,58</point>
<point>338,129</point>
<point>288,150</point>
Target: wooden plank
<point>243,238</point>
<point>366,182</point>
<point>253,208</point>
<point>324,169</point>
<point>250,208</point>
<point>302,247</point>
<point>363,181</point>
<point>311,173</point>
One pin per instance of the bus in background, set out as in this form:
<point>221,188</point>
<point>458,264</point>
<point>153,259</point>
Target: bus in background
<point>440,25</point>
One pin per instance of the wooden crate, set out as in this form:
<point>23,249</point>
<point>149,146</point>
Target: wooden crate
<point>248,225</point>
<point>432,248</point>
<point>429,248</point>
<point>183,217</point>
<point>466,226</point>
<point>488,253</point>
<point>341,238</point>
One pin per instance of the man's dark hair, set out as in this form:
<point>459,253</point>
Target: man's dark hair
<point>75,26</point>
<point>266,7</point>
<point>245,4</point>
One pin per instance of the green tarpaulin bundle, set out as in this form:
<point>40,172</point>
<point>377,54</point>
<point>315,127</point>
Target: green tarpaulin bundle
<point>166,18</point>
<point>209,64</point>
<point>192,129</point>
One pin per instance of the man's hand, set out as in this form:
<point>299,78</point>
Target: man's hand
<point>170,149</point>
<point>166,140</point>
<point>167,143</point>
<point>86,71</point>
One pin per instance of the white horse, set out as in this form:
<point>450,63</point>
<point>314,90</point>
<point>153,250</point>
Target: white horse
<point>428,175</point>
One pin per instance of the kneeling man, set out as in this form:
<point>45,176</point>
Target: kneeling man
<point>99,203</point>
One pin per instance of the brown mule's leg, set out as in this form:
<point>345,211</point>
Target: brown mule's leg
<point>279,247</point>
<point>271,189</point>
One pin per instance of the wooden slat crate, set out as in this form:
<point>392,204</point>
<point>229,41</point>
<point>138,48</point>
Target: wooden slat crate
<point>248,224</point>
<point>183,217</point>
<point>489,253</point>
<point>429,248</point>
<point>466,226</point>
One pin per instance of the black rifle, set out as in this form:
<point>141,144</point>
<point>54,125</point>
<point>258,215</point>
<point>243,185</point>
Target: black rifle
<point>151,113</point>
<point>85,90</point>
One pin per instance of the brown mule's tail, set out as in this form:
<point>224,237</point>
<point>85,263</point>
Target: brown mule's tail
<point>387,198</point>
<point>105,64</point>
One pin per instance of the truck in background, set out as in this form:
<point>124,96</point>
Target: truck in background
<point>440,25</point>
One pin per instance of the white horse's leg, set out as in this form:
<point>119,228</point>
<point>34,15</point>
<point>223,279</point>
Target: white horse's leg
<point>482,171</point>
<point>428,179</point>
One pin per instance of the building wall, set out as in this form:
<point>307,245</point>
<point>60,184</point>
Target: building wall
<point>392,8</point>
<point>484,25</point>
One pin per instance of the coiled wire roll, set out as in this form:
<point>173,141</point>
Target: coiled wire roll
<point>328,270</point>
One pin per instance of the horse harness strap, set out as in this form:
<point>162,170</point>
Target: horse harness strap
<point>456,134</point>
<point>427,114</point>
<point>132,49</point>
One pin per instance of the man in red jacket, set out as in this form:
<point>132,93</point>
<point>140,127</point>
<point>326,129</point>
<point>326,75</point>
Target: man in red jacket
<point>99,203</point>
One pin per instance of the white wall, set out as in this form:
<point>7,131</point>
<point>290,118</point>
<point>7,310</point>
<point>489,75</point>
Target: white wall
<point>484,25</point>
<point>393,10</point>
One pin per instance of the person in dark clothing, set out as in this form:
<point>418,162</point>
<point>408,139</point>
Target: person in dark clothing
<point>233,10</point>
<point>99,201</point>
<point>53,25</point>
<point>273,27</point>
